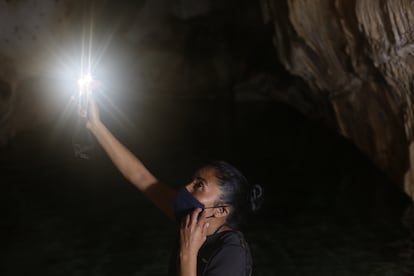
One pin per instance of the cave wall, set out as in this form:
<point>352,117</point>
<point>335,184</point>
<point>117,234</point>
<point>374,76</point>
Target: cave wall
<point>357,58</point>
<point>156,48</point>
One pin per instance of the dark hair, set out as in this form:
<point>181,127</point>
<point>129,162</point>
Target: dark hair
<point>236,192</point>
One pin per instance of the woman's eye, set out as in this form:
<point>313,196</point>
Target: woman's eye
<point>198,185</point>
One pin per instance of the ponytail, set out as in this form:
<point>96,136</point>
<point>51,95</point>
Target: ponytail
<point>256,197</point>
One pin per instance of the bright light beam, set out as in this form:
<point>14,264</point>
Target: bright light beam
<point>86,85</point>
<point>79,65</point>
<point>85,80</point>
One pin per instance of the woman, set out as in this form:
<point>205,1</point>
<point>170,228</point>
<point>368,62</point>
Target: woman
<point>210,208</point>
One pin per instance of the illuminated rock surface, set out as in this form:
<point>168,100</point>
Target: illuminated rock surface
<point>357,57</point>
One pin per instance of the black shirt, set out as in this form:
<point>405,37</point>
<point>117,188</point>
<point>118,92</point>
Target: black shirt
<point>224,253</point>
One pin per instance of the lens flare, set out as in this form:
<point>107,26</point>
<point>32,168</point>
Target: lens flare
<point>85,81</point>
<point>85,88</point>
<point>80,61</point>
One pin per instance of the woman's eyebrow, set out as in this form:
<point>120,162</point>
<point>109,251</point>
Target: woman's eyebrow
<point>202,179</point>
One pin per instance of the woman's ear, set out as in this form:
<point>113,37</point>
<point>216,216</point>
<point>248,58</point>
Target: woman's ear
<point>221,212</point>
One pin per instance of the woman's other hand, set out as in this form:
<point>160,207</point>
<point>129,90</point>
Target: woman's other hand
<point>193,232</point>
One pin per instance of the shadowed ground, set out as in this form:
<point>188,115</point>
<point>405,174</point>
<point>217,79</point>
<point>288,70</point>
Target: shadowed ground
<point>327,210</point>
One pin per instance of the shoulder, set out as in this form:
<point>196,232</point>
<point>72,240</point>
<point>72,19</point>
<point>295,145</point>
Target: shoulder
<point>230,255</point>
<point>232,238</point>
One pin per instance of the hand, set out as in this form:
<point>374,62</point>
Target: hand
<point>87,107</point>
<point>93,113</point>
<point>193,232</point>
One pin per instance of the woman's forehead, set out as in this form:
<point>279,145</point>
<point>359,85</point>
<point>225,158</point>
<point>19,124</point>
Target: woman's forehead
<point>206,172</point>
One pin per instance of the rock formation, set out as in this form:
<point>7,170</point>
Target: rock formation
<point>357,58</point>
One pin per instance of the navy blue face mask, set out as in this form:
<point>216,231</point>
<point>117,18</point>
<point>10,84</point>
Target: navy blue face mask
<point>185,203</point>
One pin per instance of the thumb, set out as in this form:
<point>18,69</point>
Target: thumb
<point>205,228</point>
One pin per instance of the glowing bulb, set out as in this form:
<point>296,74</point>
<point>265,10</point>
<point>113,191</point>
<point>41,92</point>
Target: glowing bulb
<point>85,87</point>
<point>85,80</point>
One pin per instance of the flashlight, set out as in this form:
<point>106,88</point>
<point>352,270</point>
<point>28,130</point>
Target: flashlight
<point>86,85</point>
<point>82,140</point>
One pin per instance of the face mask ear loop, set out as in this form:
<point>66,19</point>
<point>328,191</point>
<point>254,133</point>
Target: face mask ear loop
<point>224,224</point>
<point>212,216</point>
<point>219,206</point>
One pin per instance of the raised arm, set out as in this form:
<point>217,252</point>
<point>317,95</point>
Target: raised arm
<point>129,165</point>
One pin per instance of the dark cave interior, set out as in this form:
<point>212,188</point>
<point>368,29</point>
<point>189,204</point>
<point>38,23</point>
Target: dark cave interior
<point>328,210</point>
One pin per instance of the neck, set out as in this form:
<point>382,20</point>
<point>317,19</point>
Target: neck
<point>217,225</point>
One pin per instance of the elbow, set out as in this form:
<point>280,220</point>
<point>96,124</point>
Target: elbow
<point>141,181</point>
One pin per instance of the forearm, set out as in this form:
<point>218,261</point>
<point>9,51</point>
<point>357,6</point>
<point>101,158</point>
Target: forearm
<point>126,162</point>
<point>188,264</point>
<point>134,170</point>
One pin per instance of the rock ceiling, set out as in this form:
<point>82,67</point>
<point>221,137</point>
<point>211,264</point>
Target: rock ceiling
<point>355,55</point>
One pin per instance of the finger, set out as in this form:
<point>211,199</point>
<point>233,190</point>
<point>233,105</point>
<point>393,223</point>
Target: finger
<point>205,229</point>
<point>194,215</point>
<point>202,218</point>
<point>92,105</point>
<point>186,220</point>
<point>184,223</point>
<point>81,110</point>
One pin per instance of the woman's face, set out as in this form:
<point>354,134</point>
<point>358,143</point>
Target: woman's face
<point>204,187</point>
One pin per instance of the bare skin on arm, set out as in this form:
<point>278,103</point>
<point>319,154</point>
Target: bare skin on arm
<point>129,165</point>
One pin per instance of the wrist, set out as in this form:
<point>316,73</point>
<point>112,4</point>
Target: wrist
<point>94,125</point>
<point>187,255</point>
<point>188,264</point>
